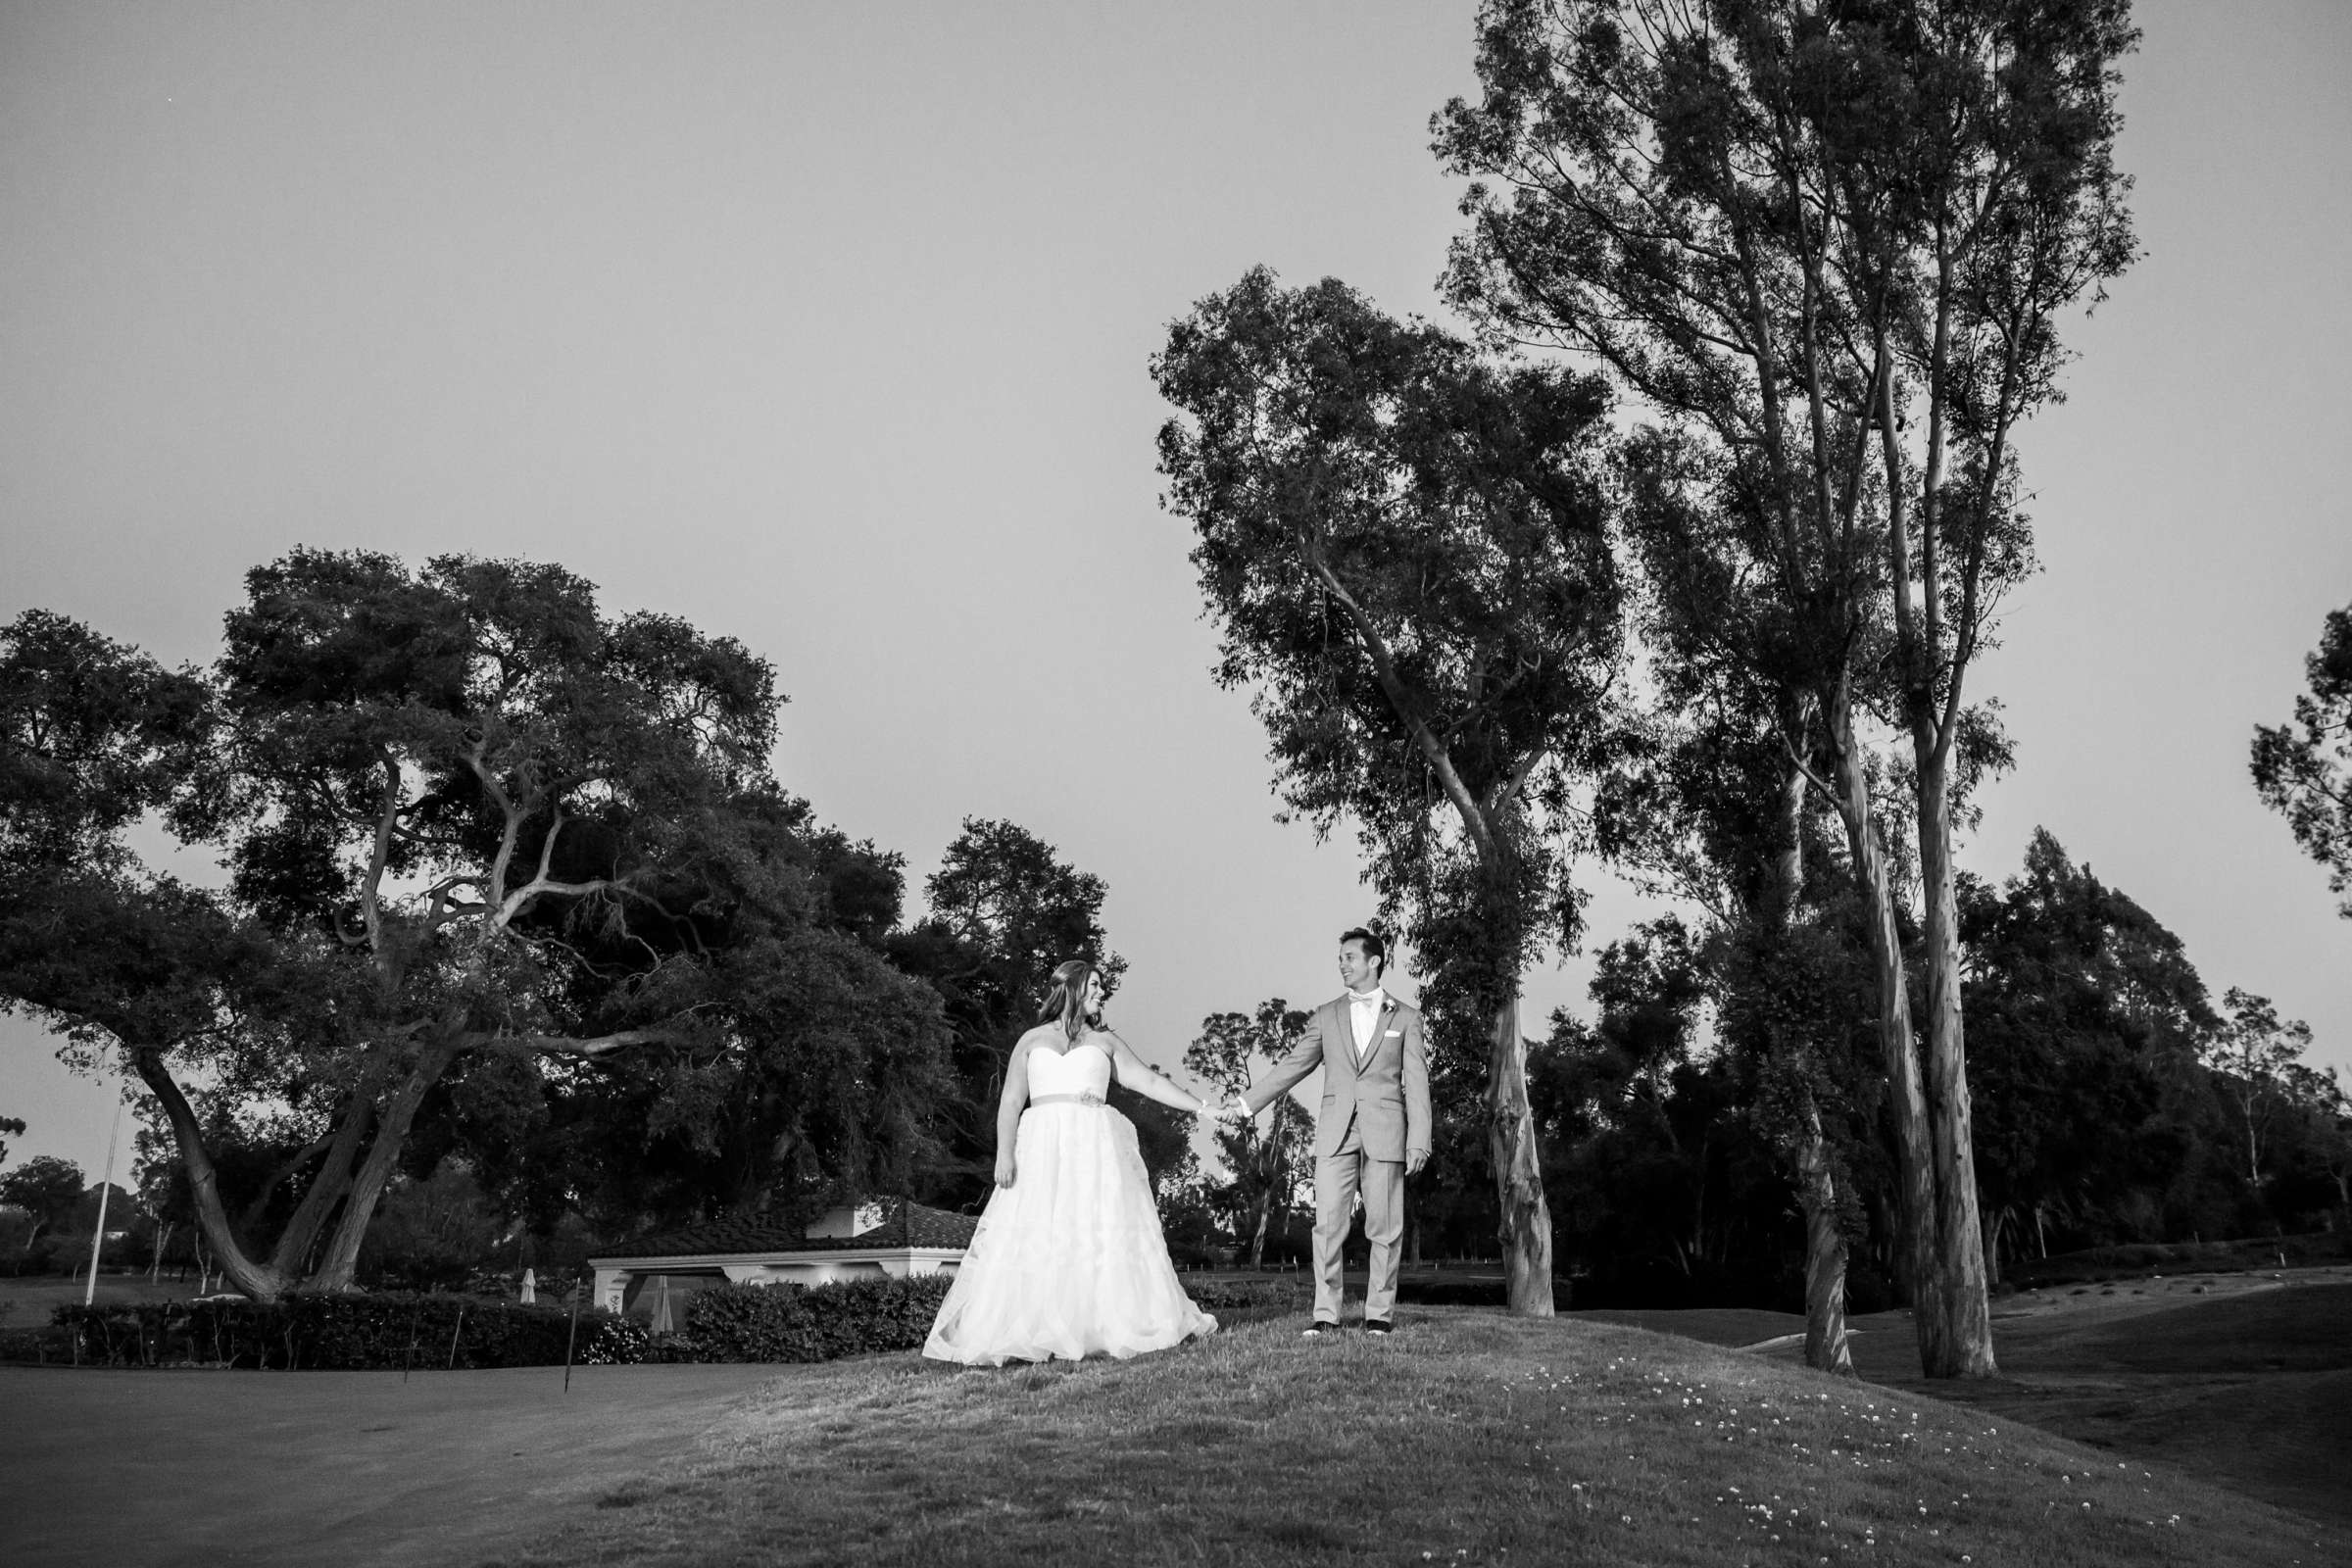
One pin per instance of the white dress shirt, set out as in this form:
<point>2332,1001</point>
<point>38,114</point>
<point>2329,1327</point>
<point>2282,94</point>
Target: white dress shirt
<point>1364,1011</point>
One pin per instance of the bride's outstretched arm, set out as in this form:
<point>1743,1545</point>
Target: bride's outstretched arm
<point>1139,1075</point>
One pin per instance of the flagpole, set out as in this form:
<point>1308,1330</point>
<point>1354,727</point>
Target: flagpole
<point>89,1289</point>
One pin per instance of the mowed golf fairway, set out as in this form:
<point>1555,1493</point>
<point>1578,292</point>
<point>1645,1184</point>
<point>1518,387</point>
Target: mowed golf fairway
<point>1471,1438</point>
<point>327,1468</point>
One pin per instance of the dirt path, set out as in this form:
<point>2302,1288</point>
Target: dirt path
<point>195,1469</point>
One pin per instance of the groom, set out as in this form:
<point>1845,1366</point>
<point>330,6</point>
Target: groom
<point>1373,1130</point>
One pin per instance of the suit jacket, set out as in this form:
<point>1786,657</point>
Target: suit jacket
<point>1386,1093</point>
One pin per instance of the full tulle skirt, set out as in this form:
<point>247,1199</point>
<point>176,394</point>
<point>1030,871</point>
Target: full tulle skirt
<point>1068,1262</point>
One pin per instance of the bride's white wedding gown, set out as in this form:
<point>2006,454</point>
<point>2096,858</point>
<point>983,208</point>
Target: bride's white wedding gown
<point>1068,1262</point>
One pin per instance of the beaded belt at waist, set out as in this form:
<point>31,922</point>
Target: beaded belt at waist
<point>1076,1099</point>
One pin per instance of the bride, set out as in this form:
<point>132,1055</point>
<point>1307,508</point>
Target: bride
<point>1068,1260</point>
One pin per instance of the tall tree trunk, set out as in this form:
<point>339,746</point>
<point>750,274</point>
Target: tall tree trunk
<point>2253,1140</point>
<point>1918,1266</point>
<point>1526,1229</point>
<point>333,1179</point>
<point>1962,1300</point>
<point>257,1280</point>
<point>342,1257</point>
<point>1826,1346</point>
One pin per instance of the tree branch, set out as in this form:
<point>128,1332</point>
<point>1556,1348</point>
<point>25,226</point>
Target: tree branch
<point>1384,667</point>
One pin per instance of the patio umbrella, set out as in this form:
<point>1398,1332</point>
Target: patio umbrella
<point>530,1287</point>
<point>661,1303</point>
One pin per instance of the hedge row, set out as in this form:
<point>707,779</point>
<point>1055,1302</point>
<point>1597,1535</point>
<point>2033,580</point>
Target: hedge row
<point>2131,1258</point>
<point>345,1333</point>
<point>385,1330</point>
<point>812,1323</point>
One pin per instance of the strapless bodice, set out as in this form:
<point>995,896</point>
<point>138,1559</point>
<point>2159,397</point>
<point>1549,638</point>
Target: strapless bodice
<point>1080,1069</point>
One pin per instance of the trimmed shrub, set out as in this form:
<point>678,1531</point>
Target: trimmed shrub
<point>345,1333</point>
<point>813,1322</point>
<point>43,1345</point>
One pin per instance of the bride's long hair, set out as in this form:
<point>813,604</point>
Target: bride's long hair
<point>1066,1004</point>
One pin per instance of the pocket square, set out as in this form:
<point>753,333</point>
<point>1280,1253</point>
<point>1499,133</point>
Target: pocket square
<point>1393,1033</point>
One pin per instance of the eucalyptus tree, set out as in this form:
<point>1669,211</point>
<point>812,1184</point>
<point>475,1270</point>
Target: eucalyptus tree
<point>2304,772</point>
<point>1828,243</point>
<point>2253,1056</point>
<point>465,816</point>
<point>1716,811</point>
<point>1405,546</point>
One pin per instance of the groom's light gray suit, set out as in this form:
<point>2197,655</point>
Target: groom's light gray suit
<point>1374,1117</point>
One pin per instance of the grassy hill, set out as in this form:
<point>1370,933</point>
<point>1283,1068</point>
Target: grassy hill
<point>1471,1437</point>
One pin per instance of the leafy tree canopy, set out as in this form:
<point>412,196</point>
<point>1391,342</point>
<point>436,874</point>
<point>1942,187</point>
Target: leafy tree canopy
<point>482,840</point>
<point>2304,771</point>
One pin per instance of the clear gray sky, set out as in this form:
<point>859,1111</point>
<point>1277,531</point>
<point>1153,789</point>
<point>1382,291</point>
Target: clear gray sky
<point>825,327</point>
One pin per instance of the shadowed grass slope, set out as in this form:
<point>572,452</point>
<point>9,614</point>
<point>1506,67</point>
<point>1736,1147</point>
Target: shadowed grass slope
<point>2253,1391</point>
<point>1470,1437</point>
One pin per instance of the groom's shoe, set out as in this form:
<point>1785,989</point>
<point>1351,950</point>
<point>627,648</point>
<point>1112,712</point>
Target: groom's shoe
<point>1318,1329</point>
<point>1379,1325</point>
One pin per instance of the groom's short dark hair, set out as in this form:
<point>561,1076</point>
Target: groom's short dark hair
<point>1374,948</point>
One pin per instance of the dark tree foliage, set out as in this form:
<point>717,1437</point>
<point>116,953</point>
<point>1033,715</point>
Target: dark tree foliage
<point>1270,1156</point>
<point>2082,1007</point>
<point>2118,1103</point>
<point>1660,1181</point>
<point>1005,910</point>
<point>485,847</point>
<point>2304,771</point>
<point>1405,545</point>
<point>46,1188</point>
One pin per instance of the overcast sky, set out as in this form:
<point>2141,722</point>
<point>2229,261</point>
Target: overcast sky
<point>826,327</point>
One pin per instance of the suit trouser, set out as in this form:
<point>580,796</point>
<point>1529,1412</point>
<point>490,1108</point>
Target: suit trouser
<point>1339,1176</point>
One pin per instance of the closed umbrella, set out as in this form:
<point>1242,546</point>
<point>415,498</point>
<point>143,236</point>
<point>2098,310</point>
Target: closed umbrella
<point>530,1287</point>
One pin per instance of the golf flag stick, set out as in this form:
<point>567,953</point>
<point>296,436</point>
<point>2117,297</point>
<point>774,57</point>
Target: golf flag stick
<point>106,1184</point>
<point>572,1335</point>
